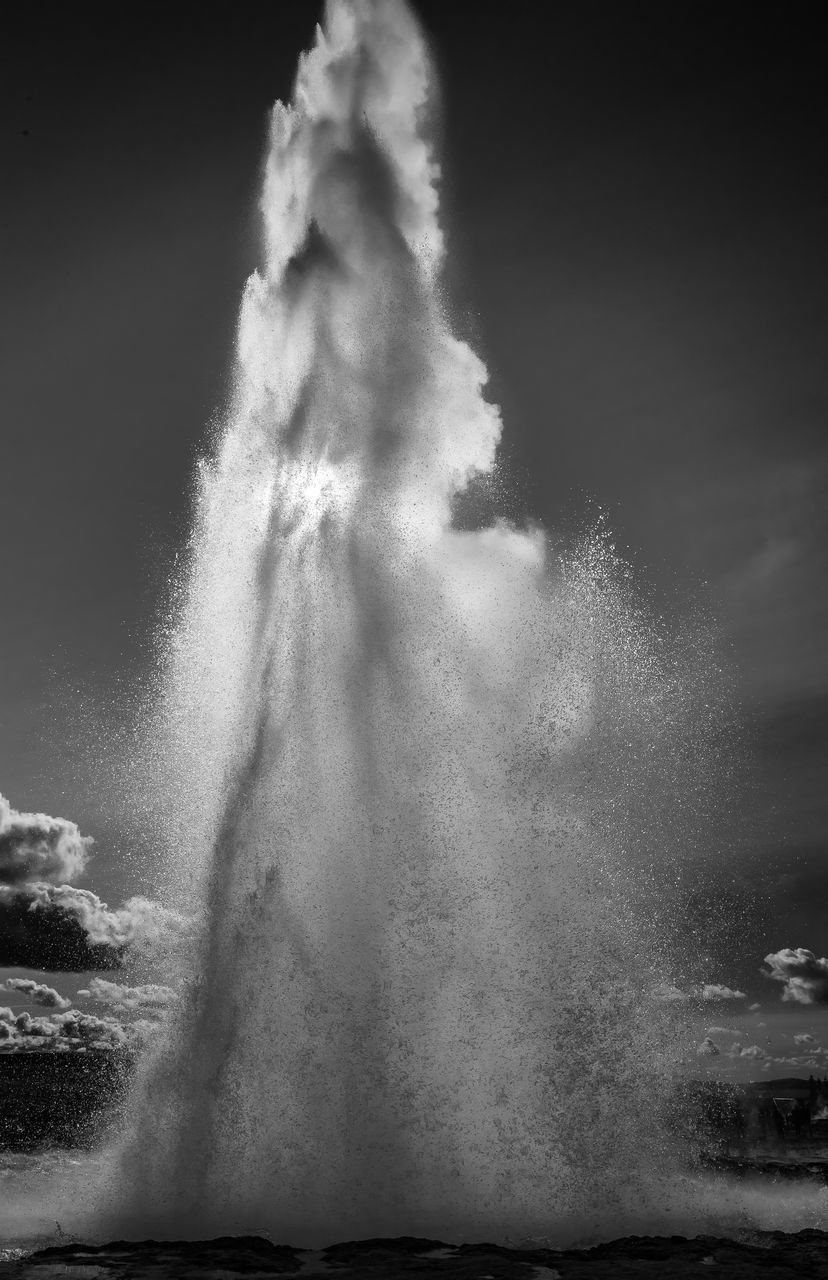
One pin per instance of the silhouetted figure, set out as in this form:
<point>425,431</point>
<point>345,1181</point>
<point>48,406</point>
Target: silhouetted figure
<point>801,1117</point>
<point>765,1113</point>
<point>779,1123</point>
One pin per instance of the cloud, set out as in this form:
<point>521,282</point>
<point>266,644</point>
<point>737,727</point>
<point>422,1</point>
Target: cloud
<point>58,926</point>
<point>70,1031</point>
<point>29,1026</point>
<point>129,999</point>
<point>142,1031</point>
<point>815,1059</point>
<point>713,991</point>
<point>804,978</point>
<point>706,992</point>
<point>804,1038</point>
<point>669,994</point>
<point>708,1048</point>
<point>754,1051</point>
<point>721,1031</point>
<point>65,929</point>
<point>45,927</point>
<point>37,992</point>
<point>34,847</point>
<point>754,1008</point>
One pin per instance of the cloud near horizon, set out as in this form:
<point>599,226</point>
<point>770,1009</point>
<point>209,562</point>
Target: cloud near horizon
<point>710,1049</point>
<point>803,976</point>
<point>70,1032</point>
<point>754,1051</point>
<point>706,992</point>
<point>36,992</point>
<point>68,1029</point>
<point>123,999</point>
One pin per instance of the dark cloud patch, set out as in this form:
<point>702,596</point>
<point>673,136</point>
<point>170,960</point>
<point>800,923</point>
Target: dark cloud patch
<point>35,847</point>
<point>803,976</point>
<point>37,931</point>
<point>48,924</point>
<point>65,929</point>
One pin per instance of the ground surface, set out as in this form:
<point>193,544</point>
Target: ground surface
<point>769,1255</point>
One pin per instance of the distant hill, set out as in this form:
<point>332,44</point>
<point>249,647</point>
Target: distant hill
<point>787,1087</point>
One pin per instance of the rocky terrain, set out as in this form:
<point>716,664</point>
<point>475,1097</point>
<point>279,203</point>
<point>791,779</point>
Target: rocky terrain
<point>770,1255</point>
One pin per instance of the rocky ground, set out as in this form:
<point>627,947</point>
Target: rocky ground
<point>769,1255</point>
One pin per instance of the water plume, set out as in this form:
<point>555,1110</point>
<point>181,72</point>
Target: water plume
<point>419,767</point>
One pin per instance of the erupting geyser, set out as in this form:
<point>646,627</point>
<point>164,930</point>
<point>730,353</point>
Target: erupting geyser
<point>419,1004</point>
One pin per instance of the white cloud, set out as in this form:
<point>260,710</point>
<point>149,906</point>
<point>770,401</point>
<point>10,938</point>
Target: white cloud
<point>669,994</point>
<point>808,1060</point>
<point>753,1051</point>
<point>70,1031</point>
<point>707,992</point>
<point>143,1031</point>
<point>803,976</point>
<point>29,1026</point>
<point>64,928</point>
<point>37,992</point>
<point>713,991</point>
<point>125,999</point>
<point>34,846</point>
<point>708,1048</point>
<point>804,1038</point>
<point>47,923</point>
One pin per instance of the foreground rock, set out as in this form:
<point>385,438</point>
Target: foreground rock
<point>773,1255</point>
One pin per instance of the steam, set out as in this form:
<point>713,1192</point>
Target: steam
<point>423,773</point>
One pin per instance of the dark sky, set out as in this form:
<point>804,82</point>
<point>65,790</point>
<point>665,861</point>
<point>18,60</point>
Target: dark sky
<point>636,200</point>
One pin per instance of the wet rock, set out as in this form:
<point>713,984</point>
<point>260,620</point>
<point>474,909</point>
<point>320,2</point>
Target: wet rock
<point>773,1255</point>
